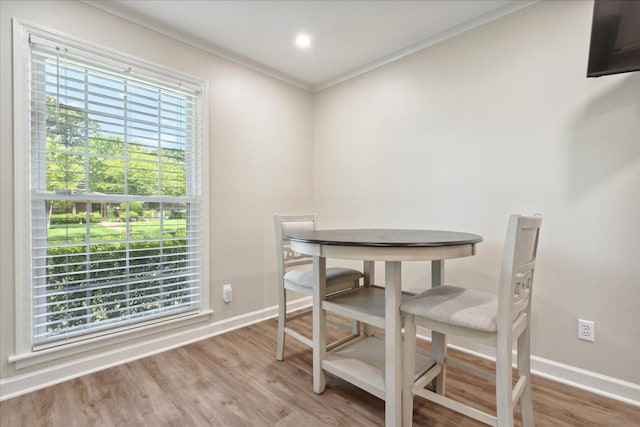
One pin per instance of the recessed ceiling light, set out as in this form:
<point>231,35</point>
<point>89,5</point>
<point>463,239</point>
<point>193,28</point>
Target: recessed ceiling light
<point>303,41</point>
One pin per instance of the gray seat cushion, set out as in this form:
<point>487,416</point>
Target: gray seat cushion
<point>456,306</point>
<point>303,277</point>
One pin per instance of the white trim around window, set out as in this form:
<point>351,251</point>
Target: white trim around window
<point>28,352</point>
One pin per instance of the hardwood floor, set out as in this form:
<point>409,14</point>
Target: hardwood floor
<point>235,380</point>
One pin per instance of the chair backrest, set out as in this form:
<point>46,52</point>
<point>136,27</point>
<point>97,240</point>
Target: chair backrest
<point>518,265</point>
<point>284,225</point>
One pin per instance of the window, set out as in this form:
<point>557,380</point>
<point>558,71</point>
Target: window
<point>115,208</point>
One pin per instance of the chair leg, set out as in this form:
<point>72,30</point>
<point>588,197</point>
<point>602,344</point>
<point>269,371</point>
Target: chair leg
<point>355,328</point>
<point>408,368</point>
<point>439,355</point>
<point>282,318</point>
<point>524,369</point>
<point>504,382</point>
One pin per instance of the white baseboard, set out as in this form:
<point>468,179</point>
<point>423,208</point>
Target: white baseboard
<point>41,378</point>
<point>21,384</point>
<point>614,388</point>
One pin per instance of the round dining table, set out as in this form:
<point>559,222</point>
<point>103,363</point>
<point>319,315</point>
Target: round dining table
<point>373,305</point>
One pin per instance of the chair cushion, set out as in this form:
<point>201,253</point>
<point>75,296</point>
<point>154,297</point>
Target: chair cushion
<point>303,277</point>
<point>456,306</point>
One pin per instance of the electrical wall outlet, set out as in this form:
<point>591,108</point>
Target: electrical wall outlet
<point>227,293</point>
<point>586,330</point>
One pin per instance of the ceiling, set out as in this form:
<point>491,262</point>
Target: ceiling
<point>347,37</point>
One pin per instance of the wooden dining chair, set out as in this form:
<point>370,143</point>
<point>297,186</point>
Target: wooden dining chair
<point>295,273</point>
<point>499,320</point>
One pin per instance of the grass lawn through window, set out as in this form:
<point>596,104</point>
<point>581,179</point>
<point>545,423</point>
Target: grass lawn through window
<point>60,233</point>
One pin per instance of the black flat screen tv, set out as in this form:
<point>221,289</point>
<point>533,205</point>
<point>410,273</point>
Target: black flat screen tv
<point>615,38</point>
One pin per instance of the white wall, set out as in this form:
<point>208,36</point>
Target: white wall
<point>260,162</point>
<point>496,121</point>
<point>457,136</point>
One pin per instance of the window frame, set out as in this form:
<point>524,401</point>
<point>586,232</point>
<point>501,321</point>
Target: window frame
<point>25,355</point>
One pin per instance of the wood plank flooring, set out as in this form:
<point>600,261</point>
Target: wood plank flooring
<point>234,380</point>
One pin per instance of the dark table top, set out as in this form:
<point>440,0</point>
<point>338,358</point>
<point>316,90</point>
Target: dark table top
<point>385,237</point>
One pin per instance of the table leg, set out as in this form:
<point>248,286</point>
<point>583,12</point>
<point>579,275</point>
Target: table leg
<point>369,270</point>
<point>438,340</point>
<point>437,273</point>
<point>369,279</point>
<point>393,344</point>
<point>319,322</point>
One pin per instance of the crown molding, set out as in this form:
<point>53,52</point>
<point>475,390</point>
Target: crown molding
<point>116,8</point>
<point>486,18</point>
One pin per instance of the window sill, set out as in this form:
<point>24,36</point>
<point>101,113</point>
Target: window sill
<point>115,339</point>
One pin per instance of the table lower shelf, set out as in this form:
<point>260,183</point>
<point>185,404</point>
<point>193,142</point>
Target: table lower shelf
<point>366,304</point>
<point>361,362</point>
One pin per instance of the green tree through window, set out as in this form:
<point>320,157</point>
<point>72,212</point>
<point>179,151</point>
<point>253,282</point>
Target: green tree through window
<point>115,190</point>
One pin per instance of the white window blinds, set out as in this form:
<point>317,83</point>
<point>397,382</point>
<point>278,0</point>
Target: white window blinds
<point>115,194</point>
